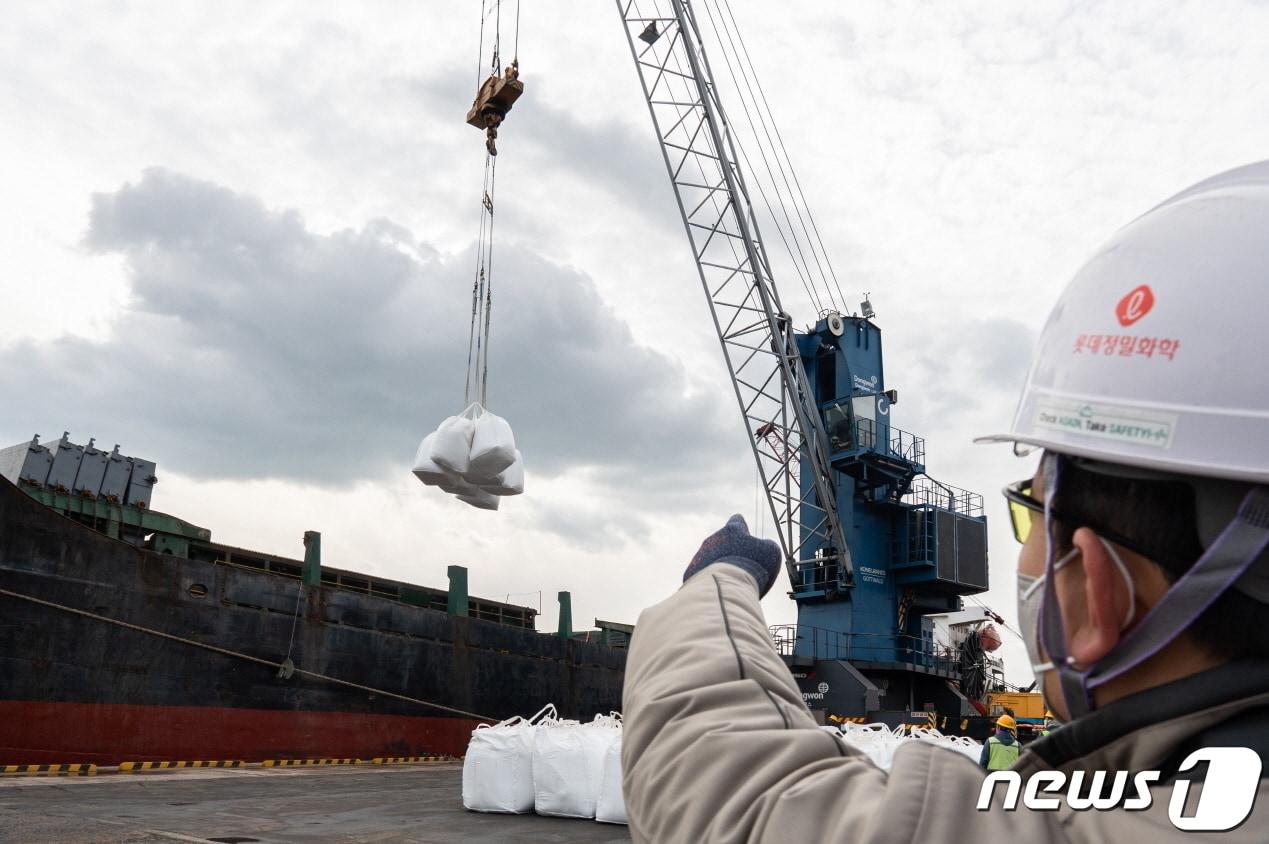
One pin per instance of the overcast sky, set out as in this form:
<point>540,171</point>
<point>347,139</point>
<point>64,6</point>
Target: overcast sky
<point>237,239</point>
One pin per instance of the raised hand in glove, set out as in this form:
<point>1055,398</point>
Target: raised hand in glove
<point>733,545</point>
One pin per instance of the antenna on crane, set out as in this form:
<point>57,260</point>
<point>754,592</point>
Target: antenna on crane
<point>865,307</point>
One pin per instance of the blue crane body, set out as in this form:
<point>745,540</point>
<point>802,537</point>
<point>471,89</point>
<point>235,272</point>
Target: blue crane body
<point>874,548</point>
<point>909,536</point>
<point>916,545</point>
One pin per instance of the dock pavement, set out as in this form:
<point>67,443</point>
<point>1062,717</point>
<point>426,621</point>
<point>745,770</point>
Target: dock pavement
<point>362,804</point>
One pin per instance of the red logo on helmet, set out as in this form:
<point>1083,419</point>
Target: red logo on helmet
<point>1135,305</point>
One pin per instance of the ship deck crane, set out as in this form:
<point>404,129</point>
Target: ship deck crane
<point>875,549</point>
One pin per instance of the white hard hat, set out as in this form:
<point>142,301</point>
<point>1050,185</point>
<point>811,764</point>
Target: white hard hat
<point>1155,354</point>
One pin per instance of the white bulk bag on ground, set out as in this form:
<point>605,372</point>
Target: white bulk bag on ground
<point>610,807</point>
<point>426,470</point>
<point>880,742</point>
<point>493,446</point>
<point>498,767</point>
<point>510,481</point>
<point>451,449</point>
<point>877,741</point>
<point>961,744</point>
<point>568,763</point>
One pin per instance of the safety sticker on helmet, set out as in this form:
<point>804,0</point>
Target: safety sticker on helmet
<point>1122,424</point>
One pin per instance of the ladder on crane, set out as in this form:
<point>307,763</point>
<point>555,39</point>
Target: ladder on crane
<point>756,334</point>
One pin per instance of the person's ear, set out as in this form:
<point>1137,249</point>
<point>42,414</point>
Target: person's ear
<point>1106,598</point>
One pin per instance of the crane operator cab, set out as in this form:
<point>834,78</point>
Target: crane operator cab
<point>494,99</point>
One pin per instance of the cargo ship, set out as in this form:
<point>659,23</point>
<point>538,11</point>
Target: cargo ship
<point>127,634</point>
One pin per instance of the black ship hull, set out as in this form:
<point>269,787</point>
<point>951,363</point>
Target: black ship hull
<point>111,653</point>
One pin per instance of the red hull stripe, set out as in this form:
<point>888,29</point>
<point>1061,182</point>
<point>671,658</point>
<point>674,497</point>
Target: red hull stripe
<point>40,733</point>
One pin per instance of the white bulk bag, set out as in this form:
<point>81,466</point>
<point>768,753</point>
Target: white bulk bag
<point>455,485</point>
<point>610,807</point>
<point>876,741</point>
<point>424,469</point>
<point>960,744</point>
<point>479,499</point>
<point>568,762</point>
<point>493,446</point>
<point>451,449</point>
<point>880,743</point>
<point>510,481</point>
<point>498,768</point>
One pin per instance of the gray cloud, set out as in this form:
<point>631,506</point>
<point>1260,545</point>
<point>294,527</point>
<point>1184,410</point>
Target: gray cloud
<point>971,382</point>
<point>254,347</point>
<point>618,156</point>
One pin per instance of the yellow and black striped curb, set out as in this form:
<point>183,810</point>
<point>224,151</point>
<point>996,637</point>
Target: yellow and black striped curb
<point>291,763</point>
<point>397,760</point>
<point>76,770</point>
<point>129,767</point>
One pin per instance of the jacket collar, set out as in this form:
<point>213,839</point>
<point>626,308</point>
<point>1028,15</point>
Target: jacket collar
<point>1192,703</point>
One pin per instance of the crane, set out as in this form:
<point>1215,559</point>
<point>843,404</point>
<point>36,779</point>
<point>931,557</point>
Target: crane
<point>757,335</point>
<point>877,552</point>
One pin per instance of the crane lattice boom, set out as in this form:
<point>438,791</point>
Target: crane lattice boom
<point>757,336</point>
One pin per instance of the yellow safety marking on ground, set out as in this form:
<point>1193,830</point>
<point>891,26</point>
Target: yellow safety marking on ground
<point>129,767</point>
<point>79,770</point>
<point>396,760</point>
<point>291,763</point>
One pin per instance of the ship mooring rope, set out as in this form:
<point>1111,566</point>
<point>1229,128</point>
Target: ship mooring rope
<point>225,651</point>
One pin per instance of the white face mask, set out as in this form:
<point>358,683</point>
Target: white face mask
<point>1031,596</point>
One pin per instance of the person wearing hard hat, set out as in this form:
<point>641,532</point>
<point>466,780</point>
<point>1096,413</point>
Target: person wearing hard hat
<point>1049,723</point>
<point>1143,585</point>
<point>1001,750</point>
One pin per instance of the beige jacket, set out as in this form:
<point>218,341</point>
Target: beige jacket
<point>719,746</point>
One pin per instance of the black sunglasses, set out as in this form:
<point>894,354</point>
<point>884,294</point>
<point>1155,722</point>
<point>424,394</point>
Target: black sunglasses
<point>1022,505</point>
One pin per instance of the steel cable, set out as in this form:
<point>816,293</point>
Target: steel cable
<point>762,152</point>
<point>780,139</point>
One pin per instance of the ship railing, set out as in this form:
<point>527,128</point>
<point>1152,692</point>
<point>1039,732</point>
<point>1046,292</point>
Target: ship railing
<point>510,615</point>
<point>820,643</point>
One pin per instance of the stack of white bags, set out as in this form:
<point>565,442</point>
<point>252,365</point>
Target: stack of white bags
<point>473,456</point>
<point>880,742</point>
<point>547,765</point>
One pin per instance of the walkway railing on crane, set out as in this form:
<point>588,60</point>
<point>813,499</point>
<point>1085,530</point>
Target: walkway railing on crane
<point>819,643</point>
<point>926,491</point>
<point>848,434</point>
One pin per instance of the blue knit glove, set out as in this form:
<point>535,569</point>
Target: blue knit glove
<point>733,545</point>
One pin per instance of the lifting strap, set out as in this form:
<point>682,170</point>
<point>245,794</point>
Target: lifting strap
<point>495,96</point>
